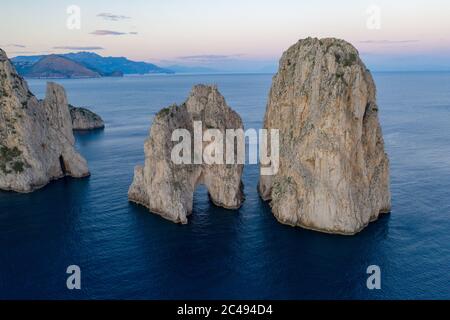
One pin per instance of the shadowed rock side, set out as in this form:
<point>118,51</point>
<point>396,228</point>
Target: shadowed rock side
<point>36,139</point>
<point>84,119</point>
<point>334,173</point>
<point>167,188</point>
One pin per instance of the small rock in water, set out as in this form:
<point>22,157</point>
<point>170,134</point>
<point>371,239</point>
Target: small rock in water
<point>84,119</point>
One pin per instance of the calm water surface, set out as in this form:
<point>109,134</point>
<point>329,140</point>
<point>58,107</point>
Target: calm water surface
<point>126,252</point>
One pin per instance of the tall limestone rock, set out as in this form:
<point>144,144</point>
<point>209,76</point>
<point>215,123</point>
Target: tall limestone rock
<point>36,139</point>
<point>334,172</point>
<point>167,188</point>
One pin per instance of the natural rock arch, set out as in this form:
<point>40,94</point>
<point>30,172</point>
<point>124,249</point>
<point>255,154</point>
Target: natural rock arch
<point>167,188</point>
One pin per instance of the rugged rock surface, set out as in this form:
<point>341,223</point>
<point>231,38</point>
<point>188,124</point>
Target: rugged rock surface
<point>36,139</point>
<point>84,119</point>
<point>334,173</point>
<point>167,188</point>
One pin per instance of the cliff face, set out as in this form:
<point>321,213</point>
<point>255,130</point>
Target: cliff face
<point>84,119</point>
<point>167,188</point>
<point>334,173</point>
<point>36,139</point>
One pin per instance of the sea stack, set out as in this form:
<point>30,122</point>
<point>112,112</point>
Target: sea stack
<point>333,173</point>
<point>167,188</point>
<point>36,139</point>
<point>84,119</point>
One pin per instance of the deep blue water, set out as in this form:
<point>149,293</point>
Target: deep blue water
<point>125,252</point>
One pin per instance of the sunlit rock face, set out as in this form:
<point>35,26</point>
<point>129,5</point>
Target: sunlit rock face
<point>36,139</point>
<point>334,172</point>
<point>167,188</point>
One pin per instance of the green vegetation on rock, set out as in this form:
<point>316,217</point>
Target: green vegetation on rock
<point>8,159</point>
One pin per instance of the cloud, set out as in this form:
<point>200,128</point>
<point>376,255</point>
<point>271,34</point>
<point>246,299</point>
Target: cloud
<point>22,52</point>
<point>107,33</point>
<point>388,41</point>
<point>203,56</point>
<point>111,33</point>
<point>78,48</point>
<point>14,45</point>
<point>209,58</point>
<point>112,17</point>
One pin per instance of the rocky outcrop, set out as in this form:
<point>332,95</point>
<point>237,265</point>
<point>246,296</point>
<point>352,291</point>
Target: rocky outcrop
<point>84,119</point>
<point>333,173</point>
<point>36,139</point>
<point>167,188</point>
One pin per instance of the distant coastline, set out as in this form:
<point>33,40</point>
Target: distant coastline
<point>81,65</point>
<point>220,73</point>
<point>86,65</point>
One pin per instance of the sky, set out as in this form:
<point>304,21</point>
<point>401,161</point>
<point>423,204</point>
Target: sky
<point>230,35</point>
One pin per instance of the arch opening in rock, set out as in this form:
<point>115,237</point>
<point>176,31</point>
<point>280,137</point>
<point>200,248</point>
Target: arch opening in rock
<point>62,165</point>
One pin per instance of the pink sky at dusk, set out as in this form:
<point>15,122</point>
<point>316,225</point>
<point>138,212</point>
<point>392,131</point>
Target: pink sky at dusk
<point>231,34</point>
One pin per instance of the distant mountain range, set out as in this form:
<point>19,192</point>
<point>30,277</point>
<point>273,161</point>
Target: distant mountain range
<point>81,65</point>
<point>92,65</point>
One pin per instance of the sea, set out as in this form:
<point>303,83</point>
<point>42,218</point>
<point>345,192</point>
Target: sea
<point>125,252</point>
